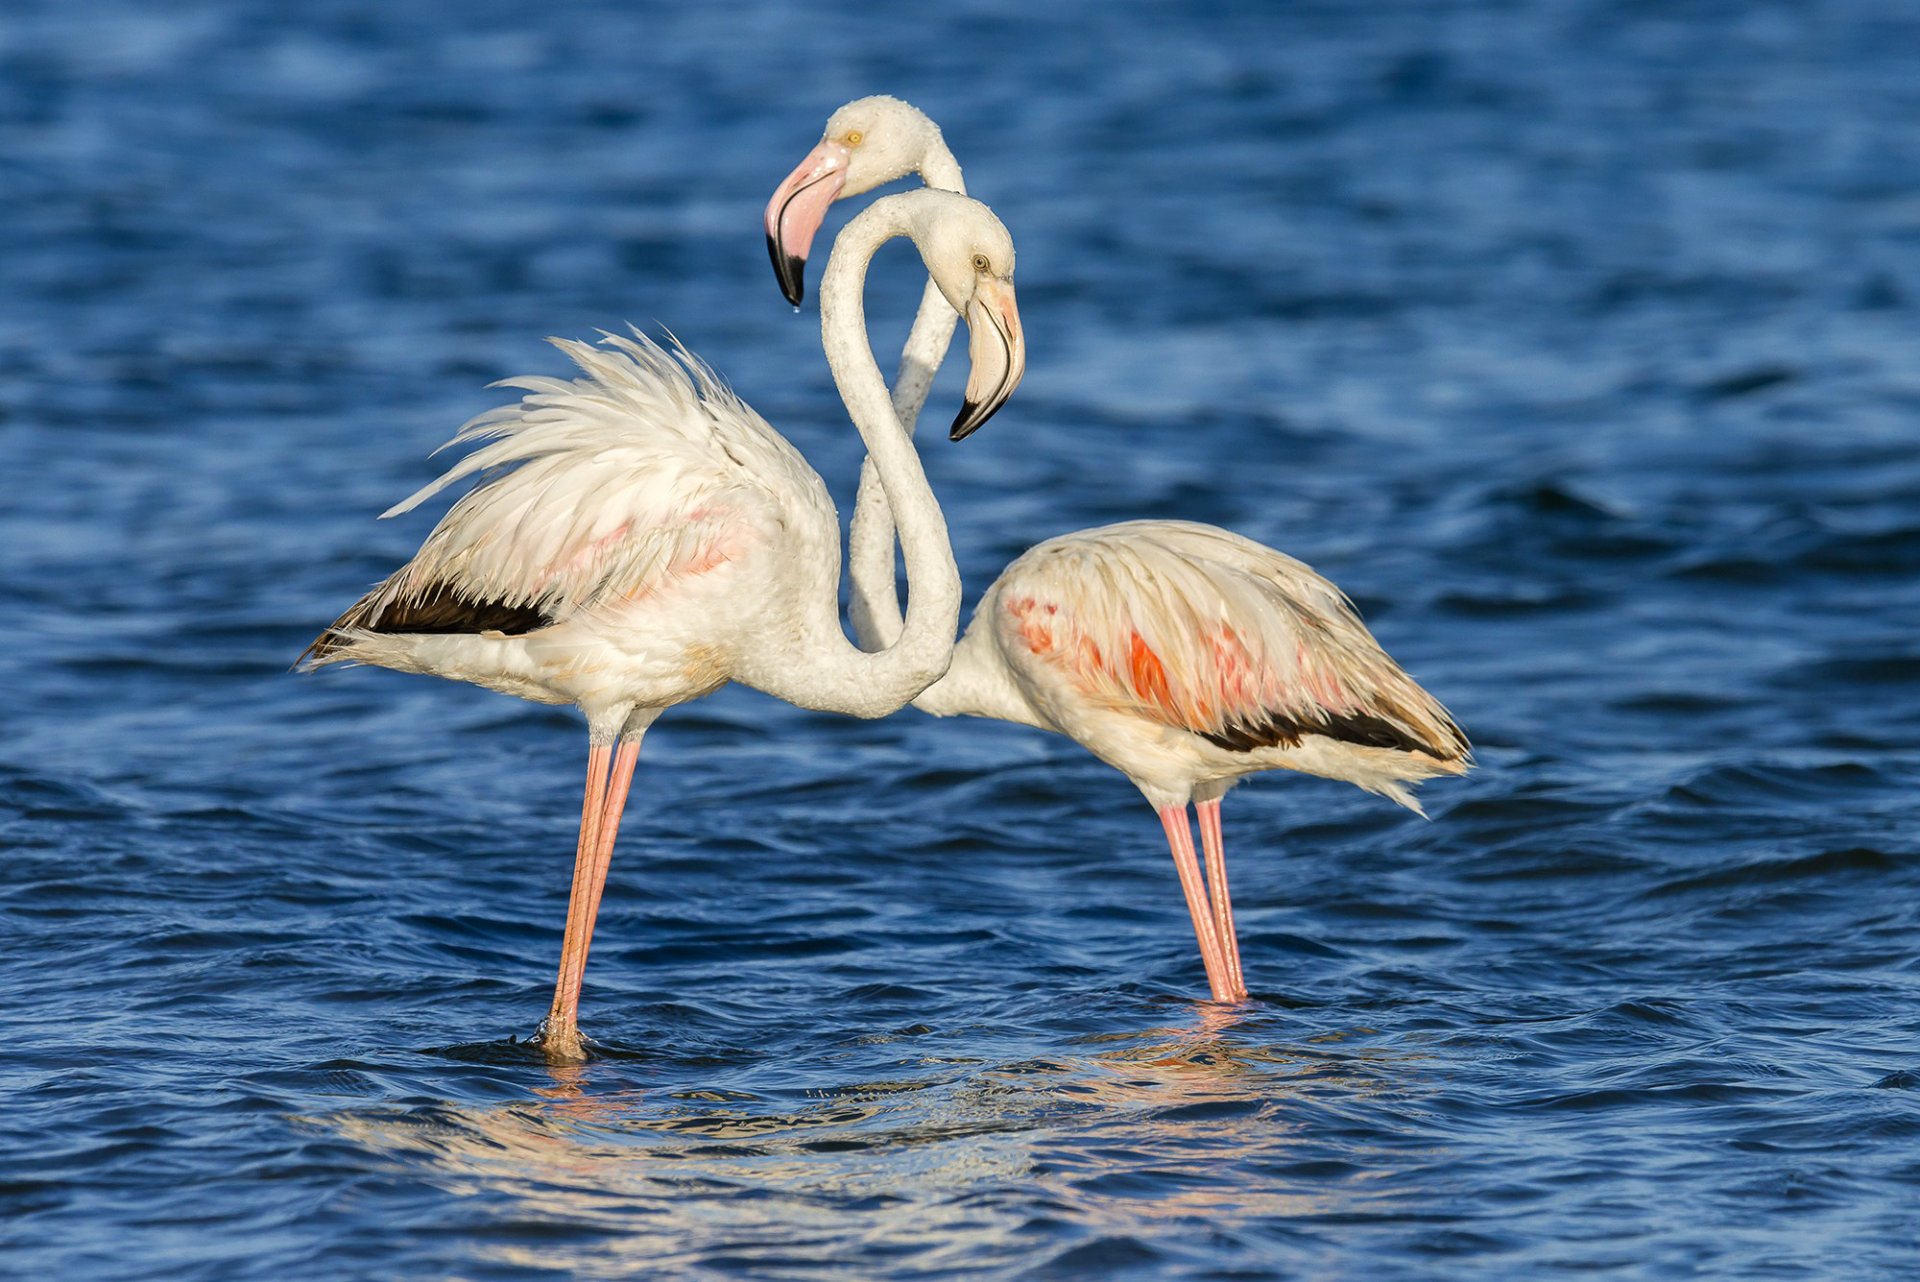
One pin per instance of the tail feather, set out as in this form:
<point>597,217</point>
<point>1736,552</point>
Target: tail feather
<point>438,611</point>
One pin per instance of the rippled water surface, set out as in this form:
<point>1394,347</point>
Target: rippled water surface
<point>1577,340</point>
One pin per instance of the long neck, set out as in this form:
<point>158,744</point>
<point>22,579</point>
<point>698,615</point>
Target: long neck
<point>838,677</point>
<point>874,604</point>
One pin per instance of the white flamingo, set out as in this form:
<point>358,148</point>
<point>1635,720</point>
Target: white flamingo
<point>1183,655</point>
<point>653,538</point>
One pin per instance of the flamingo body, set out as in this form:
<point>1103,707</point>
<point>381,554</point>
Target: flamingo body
<point>645,534</point>
<point>1186,657</point>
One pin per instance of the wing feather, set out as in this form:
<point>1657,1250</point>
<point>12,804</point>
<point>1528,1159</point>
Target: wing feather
<point>601,487</point>
<point>1202,630</point>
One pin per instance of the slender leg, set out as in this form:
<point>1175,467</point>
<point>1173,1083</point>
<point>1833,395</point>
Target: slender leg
<point>1210,838</point>
<point>560,1034</point>
<point>609,831</point>
<point>1180,841</point>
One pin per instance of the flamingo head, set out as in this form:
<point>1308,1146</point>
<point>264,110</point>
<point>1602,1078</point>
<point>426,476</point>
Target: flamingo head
<point>969,255</point>
<point>868,142</point>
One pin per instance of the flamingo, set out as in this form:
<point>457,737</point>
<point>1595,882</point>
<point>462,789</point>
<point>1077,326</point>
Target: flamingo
<point>646,537</point>
<point>1184,655</point>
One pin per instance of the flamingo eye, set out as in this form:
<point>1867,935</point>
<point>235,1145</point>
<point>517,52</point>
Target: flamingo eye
<point>853,138</point>
<point>980,263</point>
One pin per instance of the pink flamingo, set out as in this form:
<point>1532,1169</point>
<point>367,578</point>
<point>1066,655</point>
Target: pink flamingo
<point>1185,656</point>
<point>646,538</point>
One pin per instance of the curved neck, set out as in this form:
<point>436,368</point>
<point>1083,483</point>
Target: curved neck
<point>874,602</point>
<point>839,677</point>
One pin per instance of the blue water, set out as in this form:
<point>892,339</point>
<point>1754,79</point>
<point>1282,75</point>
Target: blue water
<point>1577,340</point>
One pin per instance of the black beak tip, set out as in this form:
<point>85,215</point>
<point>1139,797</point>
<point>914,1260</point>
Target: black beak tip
<point>791,271</point>
<point>970,418</point>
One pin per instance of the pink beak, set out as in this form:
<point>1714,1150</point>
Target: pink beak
<point>798,207</point>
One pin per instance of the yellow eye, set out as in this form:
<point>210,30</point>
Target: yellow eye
<point>853,138</point>
<point>980,263</point>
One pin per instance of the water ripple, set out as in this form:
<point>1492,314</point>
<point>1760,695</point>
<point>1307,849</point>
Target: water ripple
<point>1574,340</point>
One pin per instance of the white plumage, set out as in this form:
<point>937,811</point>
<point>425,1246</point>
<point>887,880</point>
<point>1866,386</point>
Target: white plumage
<point>1187,656</point>
<point>642,522</point>
<point>616,474</point>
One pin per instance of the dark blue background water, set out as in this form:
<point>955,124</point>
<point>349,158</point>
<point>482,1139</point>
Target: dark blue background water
<point>1577,340</point>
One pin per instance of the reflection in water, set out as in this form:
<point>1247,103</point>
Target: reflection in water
<point>952,1163</point>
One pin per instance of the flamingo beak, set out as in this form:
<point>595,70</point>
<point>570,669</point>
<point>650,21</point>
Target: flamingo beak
<point>798,207</point>
<point>997,350</point>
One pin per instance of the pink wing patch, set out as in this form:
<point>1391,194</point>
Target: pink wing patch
<point>586,559</point>
<point>640,559</point>
<point>710,539</point>
<point>1224,684</point>
<point>1146,624</point>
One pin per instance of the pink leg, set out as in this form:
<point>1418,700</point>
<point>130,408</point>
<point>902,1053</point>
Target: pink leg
<point>1180,841</point>
<point>1210,838</point>
<point>609,829</point>
<point>560,1034</point>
